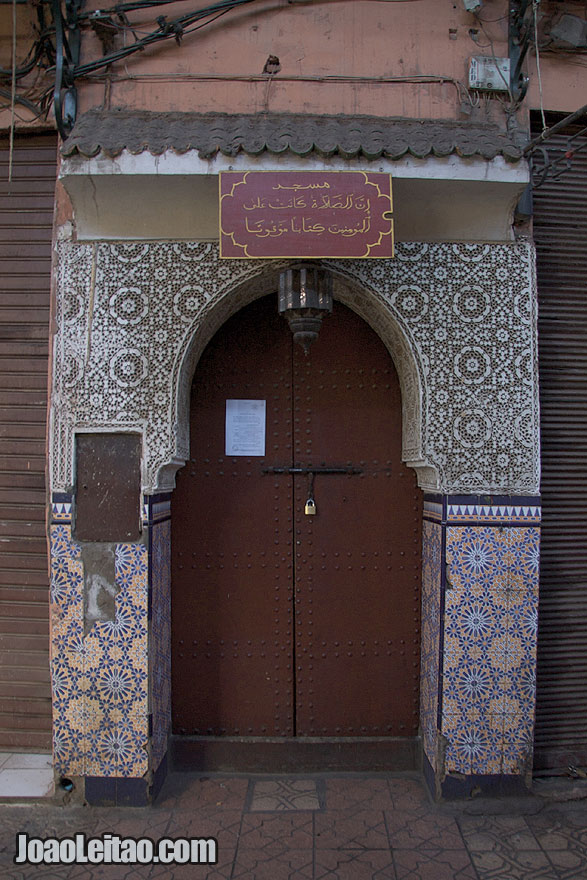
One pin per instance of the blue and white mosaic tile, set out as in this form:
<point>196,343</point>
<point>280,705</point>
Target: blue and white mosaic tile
<point>489,659</point>
<point>430,650</point>
<point>99,679</point>
<point>161,639</point>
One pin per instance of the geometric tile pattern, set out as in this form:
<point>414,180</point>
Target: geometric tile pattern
<point>512,513</point>
<point>564,842</point>
<point>99,679</point>
<point>433,508</point>
<point>458,318</point>
<point>479,623</point>
<point>479,616</point>
<point>370,828</point>
<point>160,635</point>
<point>430,648</point>
<point>61,508</point>
<point>504,846</point>
<point>284,794</point>
<point>489,648</point>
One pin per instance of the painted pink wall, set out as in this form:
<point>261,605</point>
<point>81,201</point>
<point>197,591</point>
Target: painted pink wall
<point>367,39</point>
<point>317,39</point>
<point>344,38</point>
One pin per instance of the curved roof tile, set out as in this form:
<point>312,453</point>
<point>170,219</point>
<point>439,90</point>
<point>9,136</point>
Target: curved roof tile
<point>111,132</point>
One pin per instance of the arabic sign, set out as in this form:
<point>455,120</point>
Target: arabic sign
<point>305,214</point>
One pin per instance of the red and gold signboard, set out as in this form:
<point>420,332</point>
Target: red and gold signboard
<point>305,214</point>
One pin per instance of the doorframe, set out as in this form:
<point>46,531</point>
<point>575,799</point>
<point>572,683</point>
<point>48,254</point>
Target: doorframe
<point>370,305</point>
<point>313,753</point>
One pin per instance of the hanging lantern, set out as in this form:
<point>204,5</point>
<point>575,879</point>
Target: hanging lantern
<point>305,297</point>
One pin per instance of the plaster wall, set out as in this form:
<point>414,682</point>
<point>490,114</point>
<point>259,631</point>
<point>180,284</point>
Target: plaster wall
<point>220,68</point>
<point>434,199</point>
<point>405,59</point>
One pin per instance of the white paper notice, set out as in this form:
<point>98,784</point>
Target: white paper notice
<point>245,427</point>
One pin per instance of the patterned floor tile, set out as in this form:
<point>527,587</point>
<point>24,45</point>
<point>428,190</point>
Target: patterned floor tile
<point>409,795</point>
<point>448,865</point>
<point>504,846</point>
<point>569,865</point>
<point>361,829</point>
<point>532,842</point>
<point>565,843</point>
<point>431,832</point>
<point>224,825</point>
<point>290,865</point>
<point>203,792</point>
<point>487,833</point>
<point>570,821</point>
<point>350,793</point>
<point>158,825</point>
<point>212,824</point>
<point>221,871</point>
<point>355,865</point>
<point>522,865</point>
<point>284,794</point>
<point>180,872</point>
<point>274,834</point>
<point>218,872</point>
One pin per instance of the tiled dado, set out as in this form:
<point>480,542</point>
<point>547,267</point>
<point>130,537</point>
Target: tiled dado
<point>160,656</point>
<point>111,685</point>
<point>106,723</point>
<point>430,644</point>
<point>486,633</point>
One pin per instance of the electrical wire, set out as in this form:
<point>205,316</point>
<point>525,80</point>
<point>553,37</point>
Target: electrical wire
<point>27,66</point>
<point>513,105</point>
<point>462,91</point>
<point>123,8</point>
<point>7,93</point>
<point>42,52</point>
<point>491,20</point>
<point>12,92</point>
<point>174,28</point>
<point>206,23</point>
<point>535,5</point>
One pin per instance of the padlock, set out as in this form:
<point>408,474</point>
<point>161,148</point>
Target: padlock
<point>310,508</point>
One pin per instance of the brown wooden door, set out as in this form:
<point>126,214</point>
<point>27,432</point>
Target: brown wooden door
<point>287,624</point>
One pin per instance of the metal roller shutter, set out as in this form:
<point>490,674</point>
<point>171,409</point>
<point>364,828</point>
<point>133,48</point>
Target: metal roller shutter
<point>26,217</point>
<point>560,230</point>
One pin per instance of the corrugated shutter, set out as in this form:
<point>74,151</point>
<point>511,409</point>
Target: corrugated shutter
<point>560,230</point>
<point>26,215</point>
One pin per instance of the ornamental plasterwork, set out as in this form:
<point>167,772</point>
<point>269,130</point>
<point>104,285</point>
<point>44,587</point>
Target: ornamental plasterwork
<point>459,321</point>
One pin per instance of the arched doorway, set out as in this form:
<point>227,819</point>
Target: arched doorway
<point>287,623</point>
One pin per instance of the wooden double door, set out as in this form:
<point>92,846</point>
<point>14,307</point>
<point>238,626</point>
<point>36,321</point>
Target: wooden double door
<point>285,622</point>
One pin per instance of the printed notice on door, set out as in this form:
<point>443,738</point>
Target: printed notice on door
<point>245,427</point>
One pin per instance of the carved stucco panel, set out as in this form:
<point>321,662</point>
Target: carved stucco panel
<point>459,321</point>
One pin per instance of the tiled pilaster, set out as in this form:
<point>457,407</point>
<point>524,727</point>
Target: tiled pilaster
<point>111,681</point>
<point>430,646</point>
<point>160,656</point>
<point>484,602</point>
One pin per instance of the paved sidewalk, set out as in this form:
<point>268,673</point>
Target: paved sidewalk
<point>377,827</point>
<point>25,774</point>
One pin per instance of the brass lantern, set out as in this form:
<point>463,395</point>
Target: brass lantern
<point>305,297</point>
